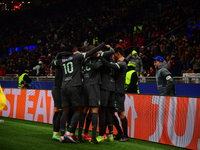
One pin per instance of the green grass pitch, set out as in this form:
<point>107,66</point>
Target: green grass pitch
<point>18,134</point>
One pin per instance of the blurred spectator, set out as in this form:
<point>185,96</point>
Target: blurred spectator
<point>133,57</point>
<point>3,70</point>
<point>23,68</point>
<point>31,72</point>
<point>122,44</point>
<point>196,63</point>
<point>37,67</point>
<point>42,70</point>
<point>168,59</point>
<point>152,72</point>
<point>175,66</point>
<point>185,57</point>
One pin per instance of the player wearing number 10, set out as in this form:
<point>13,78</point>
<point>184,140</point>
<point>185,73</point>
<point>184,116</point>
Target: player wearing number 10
<point>70,90</point>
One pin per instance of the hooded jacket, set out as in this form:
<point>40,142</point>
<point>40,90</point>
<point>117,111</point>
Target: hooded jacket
<point>138,62</point>
<point>164,80</point>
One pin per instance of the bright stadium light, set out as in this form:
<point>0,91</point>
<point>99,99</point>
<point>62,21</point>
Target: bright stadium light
<point>29,2</point>
<point>22,1</point>
<point>11,1</point>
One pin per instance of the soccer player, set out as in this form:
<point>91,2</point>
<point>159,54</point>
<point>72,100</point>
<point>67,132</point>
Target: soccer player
<point>120,73</point>
<point>107,99</point>
<point>56,93</point>
<point>91,91</point>
<point>71,94</point>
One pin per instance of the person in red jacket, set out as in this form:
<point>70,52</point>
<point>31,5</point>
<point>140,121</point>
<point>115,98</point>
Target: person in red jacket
<point>122,44</point>
<point>3,70</point>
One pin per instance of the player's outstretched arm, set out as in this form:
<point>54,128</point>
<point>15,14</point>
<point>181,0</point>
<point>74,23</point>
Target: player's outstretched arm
<point>96,65</point>
<point>109,64</point>
<point>108,53</point>
<point>94,50</point>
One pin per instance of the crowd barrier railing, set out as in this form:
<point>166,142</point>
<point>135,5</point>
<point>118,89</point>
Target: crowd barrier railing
<point>142,79</point>
<point>163,119</point>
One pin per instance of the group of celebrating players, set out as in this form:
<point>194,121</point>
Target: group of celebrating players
<point>92,84</point>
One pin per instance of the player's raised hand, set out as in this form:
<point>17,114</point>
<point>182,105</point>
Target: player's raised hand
<point>76,52</point>
<point>108,46</point>
<point>120,59</point>
<point>97,55</point>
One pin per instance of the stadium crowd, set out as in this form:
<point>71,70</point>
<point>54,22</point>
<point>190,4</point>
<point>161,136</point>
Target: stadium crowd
<point>80,23</point>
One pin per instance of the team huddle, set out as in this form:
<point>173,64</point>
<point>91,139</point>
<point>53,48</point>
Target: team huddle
<point>88,85</point>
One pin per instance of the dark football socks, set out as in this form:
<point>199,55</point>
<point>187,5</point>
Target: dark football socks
<point>54,120</point>
<point>94,125</point>
<point>109,119</point>
<point>81,123</point>
<point>124,126</point>
<point>87,125</point>
<point>117,126</point>
<point>63,120</point>
<point>102,120</point>
<point>74,122</point>
<point>69,118</point>
<point>58,121</point>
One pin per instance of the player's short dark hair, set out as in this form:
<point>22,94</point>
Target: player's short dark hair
<point>90,47</point>
<point>119,49</point>
<point>69,48</point>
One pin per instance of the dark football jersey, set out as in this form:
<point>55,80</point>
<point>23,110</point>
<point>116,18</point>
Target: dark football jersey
<point>58,70</point>
<point>71,67</point>
<point>120,73</point>
<point>92,73</point>
<point>107,78</point>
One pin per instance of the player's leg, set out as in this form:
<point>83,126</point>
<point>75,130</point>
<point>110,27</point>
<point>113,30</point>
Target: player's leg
<point>109,120</point>
<point>81,123</point>
<point>94,104</point>
<point>65,115</point>
<point>118,107</point>
<point>87,125</point>
<point>75,96</point>
<point>120,98</point>
<point>57,128</point>
<point>56,93</point>
<point>94,124</point>
<point>70,134</point>
<point>102,119</point>
<point>124,126</point>
<point>109,115</point>
<point>63,120</point>
<point>69,116</point>
<point>55,133</point>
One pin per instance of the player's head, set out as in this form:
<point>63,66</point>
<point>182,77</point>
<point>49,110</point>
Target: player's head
<point>71,48</point>
<point>158,61</point>
<point>90,47</point>
<point>119,52</point>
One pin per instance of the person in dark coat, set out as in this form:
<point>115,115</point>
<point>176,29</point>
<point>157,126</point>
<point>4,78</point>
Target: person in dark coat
<point>175,66</point>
